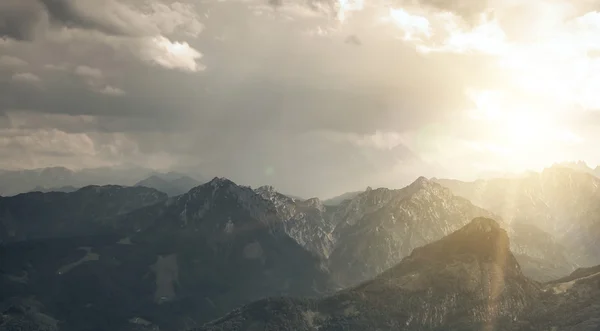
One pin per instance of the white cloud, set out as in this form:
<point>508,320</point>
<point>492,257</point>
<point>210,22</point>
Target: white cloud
<point>26,77</point>
<point>410,24</point>
<point>171,55</point>
<point>11,61</point>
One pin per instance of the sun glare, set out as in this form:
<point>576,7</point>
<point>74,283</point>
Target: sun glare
<point>551,70</point>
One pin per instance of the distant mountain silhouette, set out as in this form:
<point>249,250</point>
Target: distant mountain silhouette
<point>65,189</point>
<point>14,182</point>
<point>171,183</point>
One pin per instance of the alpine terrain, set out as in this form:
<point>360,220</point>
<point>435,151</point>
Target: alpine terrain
<point>175,264</point>
<point>560,201</point>
<point>468,280</point>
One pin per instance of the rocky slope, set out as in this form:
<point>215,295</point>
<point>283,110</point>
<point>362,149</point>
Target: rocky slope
<point>367,234</point>
<point>468,280</point>
<point>308,222</point>
<point>175,264</point>
<point>540,255</point>
<point>380,227</point>
<point>560,201</point>
<point>37,215</point>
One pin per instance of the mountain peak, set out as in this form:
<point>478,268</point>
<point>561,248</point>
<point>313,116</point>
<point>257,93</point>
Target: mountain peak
<point>420,182</point>
<point>220,182</point>
<point>315,203</point>
<point>266,189</point>
<point>481,225</point>
<point>465,260</point>
<point>482,238</point>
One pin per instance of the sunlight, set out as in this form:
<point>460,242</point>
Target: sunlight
<point>551,70</point>
<point>410,24</point>
<point>524,135</point>
<point>345,6</point>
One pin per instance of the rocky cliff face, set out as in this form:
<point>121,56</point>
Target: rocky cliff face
<point>380,227</point>
<point>365,235</point>
<point>308,222</point>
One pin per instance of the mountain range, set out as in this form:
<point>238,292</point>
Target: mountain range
<point>175,263</point>
<point>468,280</point>
<point>62,179</point>
<point>435,255</point>
<point>561,201</point>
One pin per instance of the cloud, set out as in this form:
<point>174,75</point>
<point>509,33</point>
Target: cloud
<point>55,67</point>
<point>171,55</point>
<point>108,16</point>
<point>95,79</point>
<point>88,72</point>
<point>278,96</point>
<point>147,28</point>
<point>111,90</point>
<point>26,77</point>
<point>21,20</point>
<point>11,61</point>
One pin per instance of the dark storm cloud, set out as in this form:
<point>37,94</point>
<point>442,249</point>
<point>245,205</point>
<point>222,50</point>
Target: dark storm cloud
<point>260,78</point>
<point>20,19</point>
<point>67,12</point>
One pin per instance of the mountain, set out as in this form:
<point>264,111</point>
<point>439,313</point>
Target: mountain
<point>171,183</point>
<point>308,222</point>
<point>380,227</point>
<point>468,280</point>
<point>540,255</point>
<point>65,189</point>
<point>365,235</point>
<point>579,166</point>
<point>37,215</point>
<point>175,264</point>
<point>340,198</point>
<point>21,181</point>
<point>569,304</point>
<point>560,201</point>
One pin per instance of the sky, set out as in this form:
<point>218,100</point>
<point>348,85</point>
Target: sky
<point>314,97</point>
